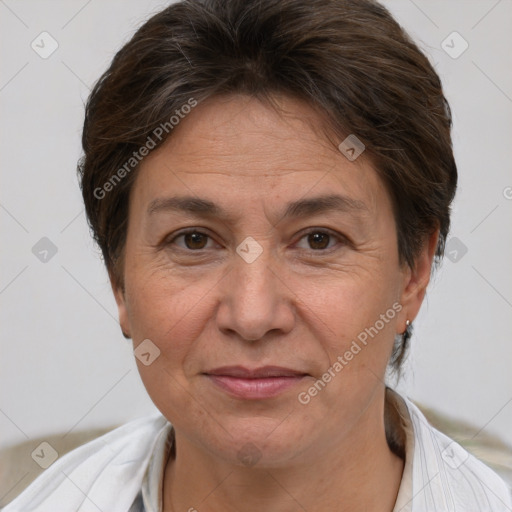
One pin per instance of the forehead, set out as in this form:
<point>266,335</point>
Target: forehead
<point>239,152</point>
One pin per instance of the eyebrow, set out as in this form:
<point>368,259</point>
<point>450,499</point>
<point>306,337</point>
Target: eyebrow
<point>205,208</point>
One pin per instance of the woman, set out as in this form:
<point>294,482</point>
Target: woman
<point>270,184</point>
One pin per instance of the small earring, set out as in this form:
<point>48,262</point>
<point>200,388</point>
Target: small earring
<point>407,333</point>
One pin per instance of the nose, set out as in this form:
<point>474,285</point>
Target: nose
<point>255,300</point>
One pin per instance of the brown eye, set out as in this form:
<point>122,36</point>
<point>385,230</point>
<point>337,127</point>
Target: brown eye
<point>190,240</point>
<point>321,241</point>
<point>195,240</point>
<point>318,240</point>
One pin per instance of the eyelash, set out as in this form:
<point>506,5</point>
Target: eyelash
<point>340,239</point>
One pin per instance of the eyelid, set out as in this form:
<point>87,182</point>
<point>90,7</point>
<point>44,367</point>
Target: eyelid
<point>204,231</point>
<point>338,236</point>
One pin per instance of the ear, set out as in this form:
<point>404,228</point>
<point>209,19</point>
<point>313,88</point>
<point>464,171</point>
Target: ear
<point>416,281</point>
<point>119,294</point>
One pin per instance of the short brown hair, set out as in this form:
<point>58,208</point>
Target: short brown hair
<point>348,58</point>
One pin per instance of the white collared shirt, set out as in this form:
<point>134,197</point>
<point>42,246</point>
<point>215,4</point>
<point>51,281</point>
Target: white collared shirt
<point>122,471</point>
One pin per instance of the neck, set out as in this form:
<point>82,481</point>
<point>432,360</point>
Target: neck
<point>358,472</point>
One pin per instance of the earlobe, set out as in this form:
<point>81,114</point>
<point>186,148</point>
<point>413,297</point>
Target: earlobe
<point>416,280</point>
<point>119,295</point>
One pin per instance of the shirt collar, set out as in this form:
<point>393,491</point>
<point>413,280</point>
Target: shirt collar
<point>405,492</point>
<point>152,484</point>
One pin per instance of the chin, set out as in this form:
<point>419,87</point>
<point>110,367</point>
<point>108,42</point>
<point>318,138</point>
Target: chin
<point>265,443</point>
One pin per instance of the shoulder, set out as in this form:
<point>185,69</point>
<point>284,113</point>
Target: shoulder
<point>92,476</point>
<point>446,477</point>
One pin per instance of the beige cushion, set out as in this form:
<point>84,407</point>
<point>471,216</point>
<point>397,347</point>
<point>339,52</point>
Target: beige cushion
<point>18,468</point>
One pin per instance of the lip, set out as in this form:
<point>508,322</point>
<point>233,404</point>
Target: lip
<point>257,373</point>
<point>254,384</point>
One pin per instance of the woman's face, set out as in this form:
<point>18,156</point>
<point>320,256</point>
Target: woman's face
<point>294,260</point>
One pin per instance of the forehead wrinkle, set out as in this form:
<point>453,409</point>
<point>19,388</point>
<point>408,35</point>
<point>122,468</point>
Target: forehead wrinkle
<point>301,208</point>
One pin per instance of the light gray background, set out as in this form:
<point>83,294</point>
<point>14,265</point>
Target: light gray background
<point>64,364</point>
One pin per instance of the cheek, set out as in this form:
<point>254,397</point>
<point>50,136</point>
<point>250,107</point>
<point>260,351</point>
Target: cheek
<point>172,311</point>
<point>172,316</point>
<point>354,318</point>
<point>159,300</point>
